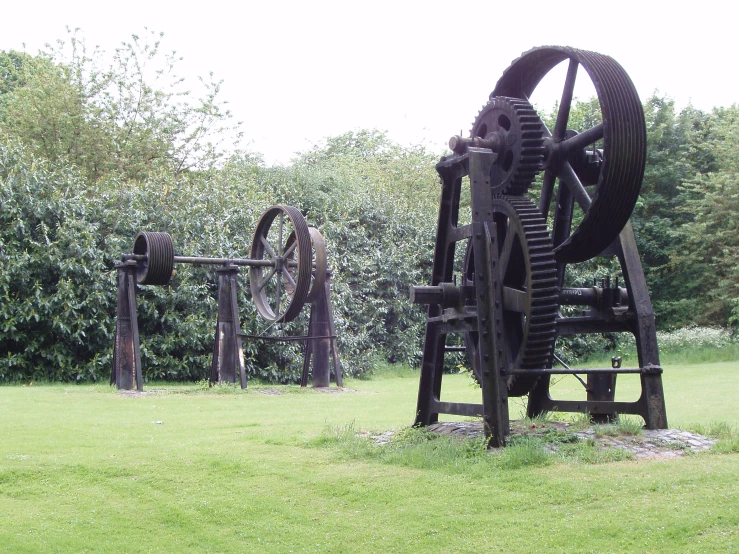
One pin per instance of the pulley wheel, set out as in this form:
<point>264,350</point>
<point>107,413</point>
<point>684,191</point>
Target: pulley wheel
<point>158,248</point>
<point>527,272</point>
<point>319,263</point>
<point>620,167</point>
<point>280,289</point>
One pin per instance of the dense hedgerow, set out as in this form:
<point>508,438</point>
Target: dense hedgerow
<point>90,155</point>
<point>61,239</point>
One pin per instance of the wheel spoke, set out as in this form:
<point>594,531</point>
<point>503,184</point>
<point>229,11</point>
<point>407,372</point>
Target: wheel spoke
<point>267,246</point>
<point>290,249</point>
<point>514,300</point>
<point>278,294</point>
<point>547,190</point>
<point>288,277</point>
<point>563,115</point>
<point>567,174</point>
<point>263,282</point>
<point>581,141</point>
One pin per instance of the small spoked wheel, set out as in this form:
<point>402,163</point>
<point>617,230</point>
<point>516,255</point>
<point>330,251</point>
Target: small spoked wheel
<point>280,288</point>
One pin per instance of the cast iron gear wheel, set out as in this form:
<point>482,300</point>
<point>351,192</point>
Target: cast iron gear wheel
<point>521,134</point>
<point>528,274</point>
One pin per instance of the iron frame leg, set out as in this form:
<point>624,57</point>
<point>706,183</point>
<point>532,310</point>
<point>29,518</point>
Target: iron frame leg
<point>126,371</point>
<point>228,353</point>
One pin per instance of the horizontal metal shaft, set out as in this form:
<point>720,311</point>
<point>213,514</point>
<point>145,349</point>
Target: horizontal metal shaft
<point>222,261</point>
<point>211,261</point>
<point>584,371</point>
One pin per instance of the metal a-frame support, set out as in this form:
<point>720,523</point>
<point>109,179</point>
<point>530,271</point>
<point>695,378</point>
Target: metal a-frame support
<point>320,347</point>
<point>637,317</point>
<point>228,353</point>
<point>478,307</point>
<point>126,372</point>
<point>447,315</point>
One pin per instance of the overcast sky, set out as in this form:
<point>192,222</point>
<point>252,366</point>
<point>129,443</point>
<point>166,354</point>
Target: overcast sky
<point>295,72</point>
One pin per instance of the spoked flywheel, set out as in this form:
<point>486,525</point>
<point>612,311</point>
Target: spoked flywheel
<point>527,270</point>
<point>616,169</point>
<point>281,286</point>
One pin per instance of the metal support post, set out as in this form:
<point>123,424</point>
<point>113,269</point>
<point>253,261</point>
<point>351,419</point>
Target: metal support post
<point>126,372</point>
<point>228,354</point>
<point>320,347</point>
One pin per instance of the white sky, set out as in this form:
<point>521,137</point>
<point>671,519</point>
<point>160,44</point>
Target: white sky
<point>296,72</point>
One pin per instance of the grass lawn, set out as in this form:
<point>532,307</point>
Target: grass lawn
<point>83,468</point>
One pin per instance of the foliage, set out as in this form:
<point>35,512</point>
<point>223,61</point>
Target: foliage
<point>376,204</point>
<point>95,148</point>
<point>55,314</point>
<point>130,118</point>
<point>694,337</point>
<point>710,238</point>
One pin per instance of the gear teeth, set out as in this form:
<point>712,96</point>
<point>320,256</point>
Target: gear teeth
<point>540,328</point>
<point>525,154</point>
<point>538,331</point>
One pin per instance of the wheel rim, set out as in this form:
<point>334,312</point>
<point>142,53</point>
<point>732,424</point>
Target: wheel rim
<point>623,132</point>
<point>158,248</point>
<point>289,264</point>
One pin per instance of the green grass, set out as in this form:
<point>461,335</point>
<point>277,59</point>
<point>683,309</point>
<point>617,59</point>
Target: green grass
<point>83,468</point>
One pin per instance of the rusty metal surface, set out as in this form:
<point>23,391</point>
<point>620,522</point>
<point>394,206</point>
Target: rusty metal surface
<point>228,355</point>
<point>505,298</point>
<point>126,372</point>
<point>288,267</point>
<point>273,299</point>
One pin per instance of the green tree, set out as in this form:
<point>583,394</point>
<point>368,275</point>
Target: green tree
<point>709,249</point>
<point>128,119</point>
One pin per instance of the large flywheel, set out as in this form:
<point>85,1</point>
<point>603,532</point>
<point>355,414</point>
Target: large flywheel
<point>616,169</point>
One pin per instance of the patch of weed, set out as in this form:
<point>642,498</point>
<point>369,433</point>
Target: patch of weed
<point>605,430</point>
<point>631,426</point>
<point>590,452</point>
<point>525,451</point>
<point>726,434</point>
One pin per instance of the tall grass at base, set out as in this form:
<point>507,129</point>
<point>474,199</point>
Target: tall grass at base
<point>726,434</point>
<point>421,449</point>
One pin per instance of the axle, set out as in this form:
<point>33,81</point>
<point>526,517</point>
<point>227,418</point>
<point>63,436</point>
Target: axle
<point>204,260</point>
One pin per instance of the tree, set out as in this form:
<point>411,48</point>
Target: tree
<point>129,119</point>
<point>710,238</point>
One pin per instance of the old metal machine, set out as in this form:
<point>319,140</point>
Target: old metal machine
<point>504,287</point>
<point>288,268</point>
